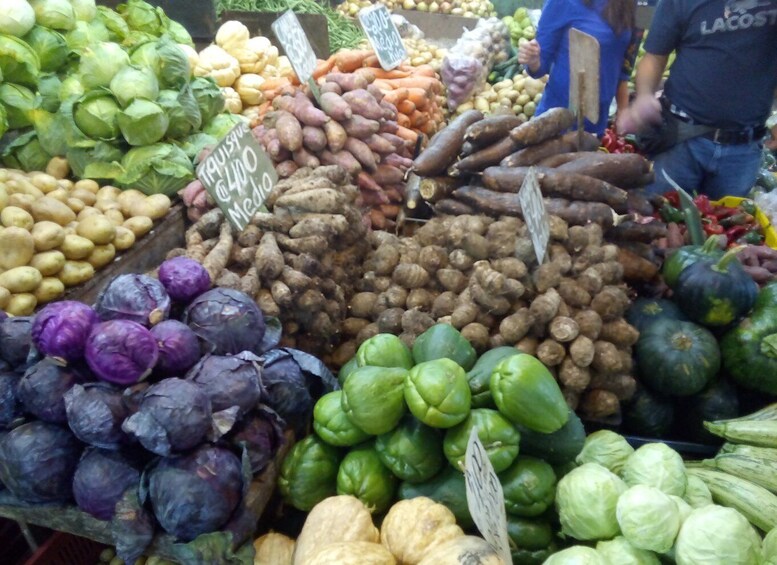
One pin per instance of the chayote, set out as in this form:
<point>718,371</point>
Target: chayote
<point>437,393</point>
<point>384,350</point>
<point>497,434</point>
<point>529,487</point>
<point>332,424</point>
<point>412,451</point>
<point>309,473</point>
<point>373,398</point>
<point>362,475</point>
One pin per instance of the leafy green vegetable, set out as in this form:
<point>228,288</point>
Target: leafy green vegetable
<point>608,449</point>
<point>18,62</point>
<point>158,168</point>
<point>714,534</point>
<point>51,47</point>
<point>586,499</point>
<point>142,16</point>
<point>16,18</point>
<point>18,101</point>
<point>100,63</point>
<point>56,14</point>
<point>648,518</point>
<point>143,122</point>
<point>26,153</point>
<point>95,114</point>
<point>86,34</point>
<point>134,82</point>
<point>656,465</point>
<point>48,93</point>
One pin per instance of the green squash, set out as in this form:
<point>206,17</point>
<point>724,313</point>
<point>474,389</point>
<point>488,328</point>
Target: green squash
<point>361,474</point>
<point>529,487</point>
<point>479,377</point>
<point>412,451</point>
<point>557,448</point>
<point>648,414</point>
<point>719,401</point>
<point>444,341</point>
<point>750,351</point>
<point>347,369</point>
<point>309,473</point>
<point>686,256</point>
<point>677,358</point>
<point>448,488</point>
<point>643,311</point>
<point>373,398</point>
<point>716,293</point>
<point>437,393</point>
<point>532,540</point>
<point>497,434</point>
<point>384,350</point>
<point>332,424</point>
<point>767,297</point>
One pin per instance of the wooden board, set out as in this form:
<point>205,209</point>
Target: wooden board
<point>74,521</point>
<point>147,254</point>
<point>258,23</point>
<point>584,74</point>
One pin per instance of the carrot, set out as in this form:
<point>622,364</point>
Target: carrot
<point>429,128</point>
<point>389,210</point>
<point>406,107</point>
<point>419,97</point>
<point>323,67</point>
<point>396,96</point>
<point>385,85</point>
<point>274,83</point>
<point>403,121</point>
<point>371,61</point>
<point>390,75</point>
<point>406,134</point>
<point>424,71</point>
<point>417,119</point>
<point>348,60</point>
<point>427,83</point>
<point>374,198</point>
<point>378,220</point>
<point>394,192</point>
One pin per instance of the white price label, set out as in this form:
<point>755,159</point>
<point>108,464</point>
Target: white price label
<point>239,176</point>
<point>485,498</point>
<point>383,35</point>
<point>294,41</point>
<point>533,208</point>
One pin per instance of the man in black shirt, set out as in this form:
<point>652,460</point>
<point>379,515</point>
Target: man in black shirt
<point>718,95</point>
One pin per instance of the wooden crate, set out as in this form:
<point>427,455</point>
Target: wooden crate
<point>259,23</point>
<point>71,520</point>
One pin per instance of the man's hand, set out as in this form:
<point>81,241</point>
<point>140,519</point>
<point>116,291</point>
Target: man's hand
<point>644,111</point>
<point>529,55</point>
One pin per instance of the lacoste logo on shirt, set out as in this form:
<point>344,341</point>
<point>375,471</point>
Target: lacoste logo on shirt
<point>738,15</point>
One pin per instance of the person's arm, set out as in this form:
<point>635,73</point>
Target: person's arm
<point>649,73</point>
<point>551,28</point>
<point>622,96</point>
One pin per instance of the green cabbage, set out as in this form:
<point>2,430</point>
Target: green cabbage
<point>49,128</point>
<point>48,93</point>
<point>142,16</point>
<point>608,449</point>
<point>100,63</point>
<point>159,168</point>
<point>51,47</point>
<point>3,121</point>
<point>113,22</point>
<point>577,555</point>
<point>193,146</point>
<point>71,88</point>
<point>26,153</point>
<point>182,111</point>
<point>16,18</point>
<point>146,55</point>
<point>619,551</point>
<point>96,115</point>
<point>208,96</point>
<point>173,64</point>
<point>18,62</point>
<point>656,465</point>
<point>143,122</point>
<point>86,34</point>
<point>178,33</point>
<point>56,14</point>
<point>586,499</point>
<point>648,518</point>
<point>19,102</point>
<point>84,10</point>
<point>134,82</point>
<point>697,493</point>
<point>101,161</point>
<point>715,535</point>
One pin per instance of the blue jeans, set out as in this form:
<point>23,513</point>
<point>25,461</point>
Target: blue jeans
<point>703,166</point>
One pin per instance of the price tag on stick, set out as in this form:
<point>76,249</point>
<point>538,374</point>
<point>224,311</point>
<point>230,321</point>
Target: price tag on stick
<point>533,208</point>
<point>485,498</point>
<point>584,56</point>
<point>294,41</point>
<point>239,176</point>
<point>383,35</point>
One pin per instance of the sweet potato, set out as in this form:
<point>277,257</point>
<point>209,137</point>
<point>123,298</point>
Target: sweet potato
<point>492,129</point>
<point>362,153</point>
<point>343,159</point>
<point>379,144</point>
<point>347,81</point>
<point>395,160</point>
<point>335,107</point>
<point>566,143</point>
<point>386,174</point>
<point>445,146</point>
<point>547,125</point>
<point>364,104</point>
<point>621,169</point>
<point>397,142</point>
<point>330,87</point>
<point>313,138</point>
<point>636,268</point>
<point>361,127</point>
<point>289,131</point>
<point>286,168</point>
<point>307,113</point>
<point>483,158</point>
<point>336,136</point>
<point>304,158</point>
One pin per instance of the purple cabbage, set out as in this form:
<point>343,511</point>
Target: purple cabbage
<point>229,321</point>
<point>196,493</point>
<point>100,480</point>
<point>42,391</point>
<point>261,435</point>
<point>184,279</point>
<point>179,348</point>
<point>60,329</point>
<point>10,408</point>
<point>37,462</point>
<point>16,341</point>
<point>121,352</point>
<point>95,413</point>
<point>174,415</point>
<point>137,298</point>
<point>229,381</point>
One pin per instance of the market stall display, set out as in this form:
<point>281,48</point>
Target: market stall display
<point>517,94</point>
<point>465,8</point>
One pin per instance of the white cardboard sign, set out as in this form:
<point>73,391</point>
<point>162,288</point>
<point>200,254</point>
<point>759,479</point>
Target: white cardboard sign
<point>534,214</point>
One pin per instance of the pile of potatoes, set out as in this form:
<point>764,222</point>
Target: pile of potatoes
<point>519,95</point>
<point>55,233</point>
<point>421,52</point>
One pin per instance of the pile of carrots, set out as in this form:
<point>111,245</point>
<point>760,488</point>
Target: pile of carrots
<point>415,91</point>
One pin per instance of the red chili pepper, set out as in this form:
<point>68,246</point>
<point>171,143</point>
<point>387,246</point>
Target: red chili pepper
<point>733,233</point>
<point>721,212</point>
<point>673,198</point>
<point>703,204</point>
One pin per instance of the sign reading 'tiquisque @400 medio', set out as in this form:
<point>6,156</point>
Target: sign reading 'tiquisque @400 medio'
<point>239,176</point>
<point>383,35</point>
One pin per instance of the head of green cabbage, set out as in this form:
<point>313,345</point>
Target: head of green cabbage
<point>715,534</point>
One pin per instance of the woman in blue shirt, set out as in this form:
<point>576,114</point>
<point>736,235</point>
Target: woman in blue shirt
<point>611,22</point>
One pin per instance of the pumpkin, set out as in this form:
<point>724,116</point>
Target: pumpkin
<point>643,311</point>
<point>677,358</point>
<point>686,256</point>
<point>767,297</point>
<point>718,401</point>
<point>648,414</point>
<point>716,293</point>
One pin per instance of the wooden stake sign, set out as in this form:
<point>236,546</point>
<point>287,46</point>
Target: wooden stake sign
<point>584,60</point>
<point>534,214</point>
<point>383,35</point>
<point>298,49</point>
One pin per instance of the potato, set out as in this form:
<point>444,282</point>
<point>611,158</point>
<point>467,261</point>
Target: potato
<point>43,181</point>
<point>334,519</point>
<point>23,201</point>
<point>70,229</point>
<point>85,196</point>
<point>47,235</point>
<point>58,168</point>
<point>413,528</point>
<point>75,204</point>
<point>49,263</point>
<point>20,279</point>
<point>97,229</point>
<point>52,210</point>
<point>18,183</point>
<point>50,288</point>
<point>127,198</point>
<point>101,256</point>
<point>352,553</point>
<point>3,197</point>
<point>76,247</point>
<point>67,184</point>
<point>21,304</point>
<point>124,238</point>
<point>5,296</point>
<point>88,211</point>
<point>59,194</point>
<point>87,184</point>
<point>155,207</point>
<point>75,273</point>
<point>16,247</point>
<point>13,216</point>
<point>139,225</point>
<point>108,192</point>
<point>103,205</point>
<point>115,216</point>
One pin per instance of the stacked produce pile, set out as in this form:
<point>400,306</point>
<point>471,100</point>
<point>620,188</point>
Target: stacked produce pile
<point>464,8</point>
<point>241,65</point>
<point>99,88</point>
<point>55,233</point>
<point>300,260</point>
<point>79,423</point>
<point>518,94</point>
<point>422,52</point>
<point>468,63</point>
<point>481,275</point>
<point>520,26</point>
<point>339,529</point>
<point>400,425</point>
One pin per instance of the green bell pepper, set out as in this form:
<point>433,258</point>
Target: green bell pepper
<point>497,434</point>
<point>412,451</point>
<point>529,487</point>
<point>437,393</point>
<point>309,473</point>
<point>362,475</point>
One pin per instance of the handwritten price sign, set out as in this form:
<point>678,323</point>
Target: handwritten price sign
<point>294,41</point>
<point>534,214</point>
<point>383,36</point>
